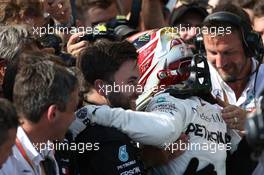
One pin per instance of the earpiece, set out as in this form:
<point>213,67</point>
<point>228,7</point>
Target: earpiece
<point>252,41</point>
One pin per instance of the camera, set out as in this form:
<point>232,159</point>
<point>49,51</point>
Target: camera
<point>55,42</point>
<point>50,41</point>
<point>115,29</point>
<point>255,127</point>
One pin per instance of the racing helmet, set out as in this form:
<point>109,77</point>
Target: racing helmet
<point>167,63</point>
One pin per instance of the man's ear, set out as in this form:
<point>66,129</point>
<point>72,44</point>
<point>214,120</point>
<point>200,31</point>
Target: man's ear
<point>52,112</point>
<point>100,87</point>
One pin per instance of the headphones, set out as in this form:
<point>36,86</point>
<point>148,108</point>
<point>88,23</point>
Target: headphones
<point>252,41</point>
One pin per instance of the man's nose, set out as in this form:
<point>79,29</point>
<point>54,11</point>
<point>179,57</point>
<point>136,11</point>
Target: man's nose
<point>220,61</point>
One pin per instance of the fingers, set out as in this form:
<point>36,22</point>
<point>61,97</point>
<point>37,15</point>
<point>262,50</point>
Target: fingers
<point>74,47</point>
<point>228,113</point>
<point>231,112</point>
<point>231,124</point>
<point>77,53</point>
<point>75,38</point>
<point>230,121</point>
<point>234,111</point>
<point>233,116</point>
<point>230,108</point>
<point>77,46</point>
<point>192,167</point>
<point>208,170</point>
<point>221,102</point>
<point>235,119</point>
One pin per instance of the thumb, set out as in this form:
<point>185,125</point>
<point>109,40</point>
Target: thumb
<point>221,102</point>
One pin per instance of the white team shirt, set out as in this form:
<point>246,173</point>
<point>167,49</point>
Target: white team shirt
<point>205,127</point>
<point>16,163</point>
<point>249,96</point>
<point>166,119</point>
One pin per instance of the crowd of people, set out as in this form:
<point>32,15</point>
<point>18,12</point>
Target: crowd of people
<point>124,87</point>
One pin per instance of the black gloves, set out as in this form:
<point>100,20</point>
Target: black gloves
<point>193,165</point>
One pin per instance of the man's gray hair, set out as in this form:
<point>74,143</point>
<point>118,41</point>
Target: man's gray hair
<point>12,40</point>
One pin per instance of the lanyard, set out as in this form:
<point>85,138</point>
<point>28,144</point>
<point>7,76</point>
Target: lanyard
<point>24,154</point>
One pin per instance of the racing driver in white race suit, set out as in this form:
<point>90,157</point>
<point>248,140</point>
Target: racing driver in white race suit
<point>176,97</point>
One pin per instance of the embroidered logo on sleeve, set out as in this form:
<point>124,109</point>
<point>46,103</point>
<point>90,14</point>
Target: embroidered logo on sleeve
<point>82,113</point>
<point>122,154</point>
